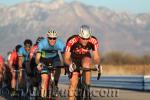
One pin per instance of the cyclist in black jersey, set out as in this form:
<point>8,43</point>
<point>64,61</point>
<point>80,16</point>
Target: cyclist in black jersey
<point>77,54</point>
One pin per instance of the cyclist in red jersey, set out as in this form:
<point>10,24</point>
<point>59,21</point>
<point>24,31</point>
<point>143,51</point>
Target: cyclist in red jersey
<point>77,54</point>
<point>13,65</point>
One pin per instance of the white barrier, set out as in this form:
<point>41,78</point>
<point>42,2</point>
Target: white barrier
<point>147,83</point>
<point>125,82</point>
<point>134,82</point>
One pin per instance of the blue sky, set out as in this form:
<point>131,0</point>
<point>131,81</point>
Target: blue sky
<point>135,6</point>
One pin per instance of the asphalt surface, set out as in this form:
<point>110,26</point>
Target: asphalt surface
<point>97,94</point>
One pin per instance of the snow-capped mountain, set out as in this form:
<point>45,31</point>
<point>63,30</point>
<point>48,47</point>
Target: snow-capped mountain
<point>121,31</point>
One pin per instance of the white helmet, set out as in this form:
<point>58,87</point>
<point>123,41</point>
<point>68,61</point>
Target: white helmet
<point>52,34</point>
<point>85,32</point>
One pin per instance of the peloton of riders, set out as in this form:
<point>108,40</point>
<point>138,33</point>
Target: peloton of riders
<point>76,53</point>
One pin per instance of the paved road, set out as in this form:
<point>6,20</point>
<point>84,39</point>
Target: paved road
<point>116,94</point>
<point>103,94</point>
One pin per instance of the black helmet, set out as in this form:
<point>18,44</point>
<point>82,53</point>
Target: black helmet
<point>18,47</point>
<point>28,41</point>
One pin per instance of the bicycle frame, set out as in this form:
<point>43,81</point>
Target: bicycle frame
<point>51,83</point>
<point>19,92</point>
<point>82,87</point>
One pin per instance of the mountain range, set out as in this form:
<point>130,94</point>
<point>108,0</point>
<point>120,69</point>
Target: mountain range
<point>116,31</point>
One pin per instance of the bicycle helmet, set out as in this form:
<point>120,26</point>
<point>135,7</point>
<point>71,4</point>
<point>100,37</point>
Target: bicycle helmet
<point>18,47</point>
<point>85,32</point>
<point>52,34</point>
<point>28,41</point>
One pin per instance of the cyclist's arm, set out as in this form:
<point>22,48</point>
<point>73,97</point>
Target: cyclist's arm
<point>32,52</point>
<point>96,57</point>
<point>67,54</point>
<point>10,62</point>
<point>20,62</point>
<point>30,57</point>
<point>96,53</point>
<point>40,47</point>
<point>20,58</point>
<point>67,58</point>
<point>38,56</point>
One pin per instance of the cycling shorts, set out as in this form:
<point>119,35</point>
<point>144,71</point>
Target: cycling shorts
<point>55,61</point>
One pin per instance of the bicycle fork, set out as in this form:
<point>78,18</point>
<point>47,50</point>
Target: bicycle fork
<point>87,92</point>
<point>83,88</point>
<point>80,91</point>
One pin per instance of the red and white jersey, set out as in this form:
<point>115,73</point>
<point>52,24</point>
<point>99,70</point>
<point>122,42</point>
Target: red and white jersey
<point>77,49</point>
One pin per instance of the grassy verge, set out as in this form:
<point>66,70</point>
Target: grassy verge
<point>123,70</point>
<point>126,69</point>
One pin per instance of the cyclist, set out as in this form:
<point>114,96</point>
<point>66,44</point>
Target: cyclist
<point>23,62</point>
<point>77,54</point>
<point>33,65</point>
<point>48,53</point>
<point>13,65</point>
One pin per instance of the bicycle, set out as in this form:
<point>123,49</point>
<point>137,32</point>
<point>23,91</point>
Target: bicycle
<point>21,90</point>
<point>82,87</point>
<point>52,88</point>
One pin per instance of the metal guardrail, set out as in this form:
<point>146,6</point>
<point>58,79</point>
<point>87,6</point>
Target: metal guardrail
<point>147,83</point>
<point>135,82</point>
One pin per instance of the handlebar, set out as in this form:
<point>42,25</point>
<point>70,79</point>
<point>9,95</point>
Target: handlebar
<point>87,69</point>
<point>51,67</point>
<point>91,69</point>
<point>55,67</point>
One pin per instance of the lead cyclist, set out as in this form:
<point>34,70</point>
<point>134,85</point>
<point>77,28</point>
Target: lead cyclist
<point>78,54</point>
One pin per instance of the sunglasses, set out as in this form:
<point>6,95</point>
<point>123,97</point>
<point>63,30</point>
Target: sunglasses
<point>84,38</point>
<point>52,38</point>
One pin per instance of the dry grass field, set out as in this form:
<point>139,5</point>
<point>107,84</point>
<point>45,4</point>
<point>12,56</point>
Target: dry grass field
<point>124,70</point>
